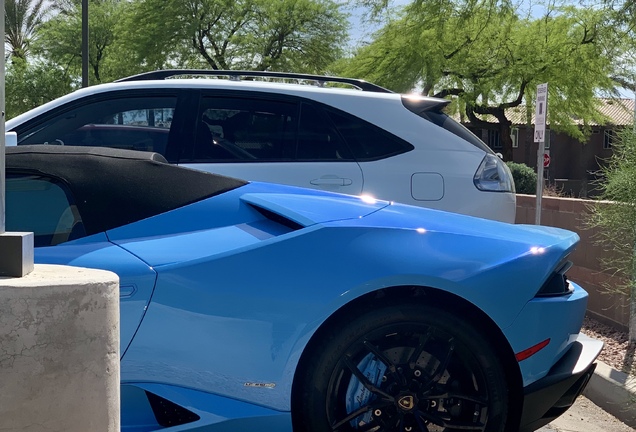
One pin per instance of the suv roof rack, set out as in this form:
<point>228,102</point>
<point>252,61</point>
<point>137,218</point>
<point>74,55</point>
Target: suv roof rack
<point>320,80</point>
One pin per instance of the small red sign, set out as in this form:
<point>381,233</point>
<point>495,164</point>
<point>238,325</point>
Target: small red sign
<point>546,160</point>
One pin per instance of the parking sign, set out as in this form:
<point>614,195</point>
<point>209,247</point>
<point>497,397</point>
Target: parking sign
<point>541,108</point>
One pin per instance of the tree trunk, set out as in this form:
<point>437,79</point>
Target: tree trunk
<point>503,126</point>
<point>632,314</point>
<point>506,140</point>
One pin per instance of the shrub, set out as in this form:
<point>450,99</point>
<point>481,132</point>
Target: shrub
<point>613,218</point>
<point>525,178</point>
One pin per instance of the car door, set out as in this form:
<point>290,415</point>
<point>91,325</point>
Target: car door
<point>273,140</point>
<point>45,206</point>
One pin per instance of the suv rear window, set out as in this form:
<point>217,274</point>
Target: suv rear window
<point>261,130</point>
<point>318,140</point>
<point>431,110</point>
<point>367,141</point>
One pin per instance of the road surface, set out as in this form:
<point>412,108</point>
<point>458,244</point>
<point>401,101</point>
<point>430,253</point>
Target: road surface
<point>584,416</point>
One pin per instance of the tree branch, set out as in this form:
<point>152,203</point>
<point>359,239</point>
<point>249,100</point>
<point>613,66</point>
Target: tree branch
<point>449,92</point>
<point>624,83</point>
<point>458,49</point>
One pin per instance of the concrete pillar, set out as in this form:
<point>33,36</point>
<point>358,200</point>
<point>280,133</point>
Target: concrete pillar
<point>59,351</point>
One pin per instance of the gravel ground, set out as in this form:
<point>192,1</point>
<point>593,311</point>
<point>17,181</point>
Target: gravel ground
<point>617,353</point>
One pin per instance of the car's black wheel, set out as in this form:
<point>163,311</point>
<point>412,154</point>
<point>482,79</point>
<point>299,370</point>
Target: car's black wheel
<point>401,368</point>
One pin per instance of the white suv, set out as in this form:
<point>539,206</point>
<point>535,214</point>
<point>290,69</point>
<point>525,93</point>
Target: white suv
<point>364,140</point>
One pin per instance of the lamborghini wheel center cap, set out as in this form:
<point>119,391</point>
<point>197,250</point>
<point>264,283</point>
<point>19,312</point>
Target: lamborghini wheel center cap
<point>406,402</point>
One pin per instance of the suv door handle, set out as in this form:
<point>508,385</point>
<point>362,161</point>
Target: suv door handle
<point>331,180</point>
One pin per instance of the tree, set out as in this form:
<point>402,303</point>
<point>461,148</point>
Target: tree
<point>30,84</point>
<point>298,35</point>
<point>623,16</point>
<point>614,217</point>
<point>21,19</point>
<point>490,59</point>
<point>60,38</point>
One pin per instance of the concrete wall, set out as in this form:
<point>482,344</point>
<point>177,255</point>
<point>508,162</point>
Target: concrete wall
<point>569,213</point>
<point>59,351</point>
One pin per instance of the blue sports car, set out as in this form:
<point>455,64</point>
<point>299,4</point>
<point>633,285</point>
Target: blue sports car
<point>253,306</point>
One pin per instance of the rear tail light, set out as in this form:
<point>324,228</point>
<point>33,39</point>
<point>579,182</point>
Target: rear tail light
<point>493,175</point>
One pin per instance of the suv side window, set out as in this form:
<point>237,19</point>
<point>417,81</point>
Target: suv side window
<point>367,141</point>
<point>136,123</point>
<point>259,130</point>
<point>318,140</point>
<point>42,206</point>
<point>243,130</point>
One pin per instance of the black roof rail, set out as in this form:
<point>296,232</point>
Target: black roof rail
<point>238,75</point>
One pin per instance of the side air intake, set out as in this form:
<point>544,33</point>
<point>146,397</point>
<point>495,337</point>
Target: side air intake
<point>169,414</point>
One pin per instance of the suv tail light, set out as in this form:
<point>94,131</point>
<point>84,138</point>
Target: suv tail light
<point>494,175</point>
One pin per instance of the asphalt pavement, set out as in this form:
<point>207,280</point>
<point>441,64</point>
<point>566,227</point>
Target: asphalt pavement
<point>608,404</point>
<point>585,416</point>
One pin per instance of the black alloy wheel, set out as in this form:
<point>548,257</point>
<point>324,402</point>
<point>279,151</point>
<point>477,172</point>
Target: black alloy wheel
<point>403,368</point>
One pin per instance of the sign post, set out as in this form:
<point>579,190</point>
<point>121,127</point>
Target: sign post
<point>541,108</point>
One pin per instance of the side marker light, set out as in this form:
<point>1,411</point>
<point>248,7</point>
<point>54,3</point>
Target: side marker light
<point>520,356</point>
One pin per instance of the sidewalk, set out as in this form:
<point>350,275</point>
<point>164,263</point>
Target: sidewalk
<point>614,391</point>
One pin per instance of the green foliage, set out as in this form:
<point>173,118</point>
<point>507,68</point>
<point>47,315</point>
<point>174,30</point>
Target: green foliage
<point>21,20</point>
<point>613,217</point>
<point>133,36</point>
<point>30,85</point>
<point>60,39</point>
<point>286,35</point>
<point>491,57</point>
<point>525,178</point>
<point>129,37</point>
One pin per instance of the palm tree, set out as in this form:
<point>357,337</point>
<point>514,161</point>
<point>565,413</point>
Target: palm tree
<point>21,19</point>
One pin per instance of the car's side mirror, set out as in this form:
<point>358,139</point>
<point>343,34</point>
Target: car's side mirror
<point>10,139</point>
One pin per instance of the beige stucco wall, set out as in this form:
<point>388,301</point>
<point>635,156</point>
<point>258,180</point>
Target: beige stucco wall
<point>569,213</point>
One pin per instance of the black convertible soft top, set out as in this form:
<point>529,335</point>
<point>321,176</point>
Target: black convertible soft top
<point>113,187</point>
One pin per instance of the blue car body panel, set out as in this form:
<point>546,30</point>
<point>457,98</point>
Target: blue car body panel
<point>539,318</point>
<point>216,413</point>
<point>220,298</point>
<point>260,291</point>
<point>136,279</point>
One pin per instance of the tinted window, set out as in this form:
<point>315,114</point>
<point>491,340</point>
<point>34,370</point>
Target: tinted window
<point>240,130</point>
<point>141,123</point>
<point>44,207</point>
<point>443,120</point>
<point>367,141</point>
<point>318,140</point>
<point>244,130</point>
<point>432,110</point>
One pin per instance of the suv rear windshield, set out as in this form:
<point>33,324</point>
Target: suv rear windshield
<point>431,110</point>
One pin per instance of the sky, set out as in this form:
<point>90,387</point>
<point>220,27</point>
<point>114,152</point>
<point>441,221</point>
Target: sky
<point>359,29</point>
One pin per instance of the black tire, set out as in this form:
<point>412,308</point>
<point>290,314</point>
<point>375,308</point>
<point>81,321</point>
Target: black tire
<point>426,370</point>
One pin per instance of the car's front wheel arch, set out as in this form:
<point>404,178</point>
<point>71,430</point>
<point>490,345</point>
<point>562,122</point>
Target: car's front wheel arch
<point>428,297</point>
